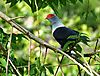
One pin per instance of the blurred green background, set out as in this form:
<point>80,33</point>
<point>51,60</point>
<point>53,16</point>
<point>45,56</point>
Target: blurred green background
<point>81,16</point>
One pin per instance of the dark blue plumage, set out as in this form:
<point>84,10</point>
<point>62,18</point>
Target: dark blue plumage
<point>61,34</point>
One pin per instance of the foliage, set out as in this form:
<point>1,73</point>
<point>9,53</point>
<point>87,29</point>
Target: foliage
<point>81,15</point>
<point>34,4</point>
<point>39,69</point>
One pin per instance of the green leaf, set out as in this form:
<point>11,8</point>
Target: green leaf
<point>78,48</point>
<point>28,2</point>
<point>14,38</point>
<point>20,36</point>
<point>73,1</point>
<point>38,4</point>
<point>1,30</point>
<point>37,62</point>
<point>43,71</point>
<point>3,38</point>
<point>33,6</point>
<point>13,2</point>
<point>67,45</point>
<point>73,36</point>
<point>53,6</point>
<point>20,0</point>
<point>3,62</point>
<point>93,13</point>
<point>55,2</point>
<point>63,2</point>
<point>85,40</point>
<point>50,68</point>
<point>81,1</point>
<point>44,4</point>
<point>8,1</point>
<point>33,70</point>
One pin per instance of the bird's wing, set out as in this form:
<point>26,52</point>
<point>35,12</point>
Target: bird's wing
<point>62,33</point>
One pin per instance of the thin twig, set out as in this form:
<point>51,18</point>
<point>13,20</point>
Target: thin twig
<point>60,61</point>
<point>16,18</point>
<point>88,66</point>
<point>36,7</point>
<point>14,67</point>
<point>29,57</point>
<point>79,73</point>
<point>97,58</point>
<point>45,55</point>
<point>63,65</point>
<point>91,54</point>
<point>96,45</point>
<point>94,51</point>
<point>61,70</point>
<point>9,52</point>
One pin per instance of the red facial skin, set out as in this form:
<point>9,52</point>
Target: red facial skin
<point>50,16</point>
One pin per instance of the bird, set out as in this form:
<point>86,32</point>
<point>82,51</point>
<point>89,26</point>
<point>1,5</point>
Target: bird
<point>60,31</point>
<point>62,34</point>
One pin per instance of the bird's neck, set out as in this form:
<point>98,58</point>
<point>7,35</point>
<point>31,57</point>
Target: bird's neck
<point>56,25</point>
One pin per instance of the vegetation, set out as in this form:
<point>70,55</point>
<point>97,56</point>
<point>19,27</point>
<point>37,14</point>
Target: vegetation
<point>25,54</point>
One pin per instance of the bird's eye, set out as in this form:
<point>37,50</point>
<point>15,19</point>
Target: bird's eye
<point>53,22</point>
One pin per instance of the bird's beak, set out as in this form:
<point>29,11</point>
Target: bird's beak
<point>46,18</point>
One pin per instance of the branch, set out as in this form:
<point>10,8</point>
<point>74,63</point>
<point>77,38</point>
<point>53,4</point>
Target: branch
<point>29,57</point>
<point>9,52</point>
<point>17,17</point>
<point>40,41</point>
<point>95,51</point>
<point>14,68</point>
<point>91,54</point>
<point>12,65</point>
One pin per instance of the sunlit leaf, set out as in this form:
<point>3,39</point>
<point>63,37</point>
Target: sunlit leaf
<point>73,36</point>
<point>3,62</point>
<point>37,62</point>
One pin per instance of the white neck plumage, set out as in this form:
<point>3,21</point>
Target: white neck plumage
<point>56,25</point>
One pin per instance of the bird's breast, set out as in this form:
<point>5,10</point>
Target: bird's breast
<point>63,32</point>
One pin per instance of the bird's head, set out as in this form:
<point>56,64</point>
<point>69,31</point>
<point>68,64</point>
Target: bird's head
<point>55,21</point>
<point>52,18</point>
